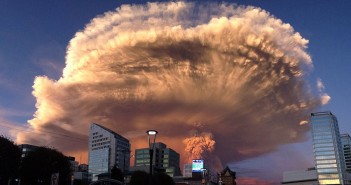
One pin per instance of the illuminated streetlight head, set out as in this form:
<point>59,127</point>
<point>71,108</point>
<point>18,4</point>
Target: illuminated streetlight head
<point>151,132</point>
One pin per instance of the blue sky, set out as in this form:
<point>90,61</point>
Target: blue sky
<point>34,35</point>
<point>33,32</point>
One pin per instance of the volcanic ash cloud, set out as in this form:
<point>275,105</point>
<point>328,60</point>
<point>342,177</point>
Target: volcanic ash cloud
<point>167,66</point>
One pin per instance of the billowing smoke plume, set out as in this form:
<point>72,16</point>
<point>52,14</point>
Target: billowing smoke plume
<point>198,145</point>
<point>166,66</point>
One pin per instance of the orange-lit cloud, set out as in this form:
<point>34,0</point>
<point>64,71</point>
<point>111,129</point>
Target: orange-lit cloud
<point>198,145</point>
<point>168,66</point>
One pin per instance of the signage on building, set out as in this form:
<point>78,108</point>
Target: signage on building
<point>197,165</point>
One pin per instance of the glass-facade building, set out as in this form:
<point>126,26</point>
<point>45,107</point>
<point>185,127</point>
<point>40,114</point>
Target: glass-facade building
<point>328,151</point>
<point>106,149</point>
<point>346,144</point>
<point>164,159</point>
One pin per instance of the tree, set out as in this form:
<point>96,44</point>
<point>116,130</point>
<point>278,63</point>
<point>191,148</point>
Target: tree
<point>81,182</point>
<point>40,164</point>
<point>117,174</point>
<point>10,156</point>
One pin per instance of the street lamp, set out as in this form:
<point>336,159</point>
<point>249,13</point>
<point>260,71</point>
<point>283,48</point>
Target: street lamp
<point>150,134</point>
<point>204,175</point>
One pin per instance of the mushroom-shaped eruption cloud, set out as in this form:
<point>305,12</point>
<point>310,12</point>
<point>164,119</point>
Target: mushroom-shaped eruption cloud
<point>238,71</point>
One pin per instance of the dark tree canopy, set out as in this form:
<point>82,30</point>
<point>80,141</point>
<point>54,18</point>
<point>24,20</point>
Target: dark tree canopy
<point>117,174</point>
<point>40,164</point>
<point>162,179</point>
<point>10,155</point>
<point>81,182</point>
<point>139,178</point>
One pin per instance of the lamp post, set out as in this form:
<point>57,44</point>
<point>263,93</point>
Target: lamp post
<point>204,176</point>
<point>150,134</point>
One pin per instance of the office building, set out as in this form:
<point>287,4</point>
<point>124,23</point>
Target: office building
<point>83,167</point>
<point>346,143</point>
<point>164,159</point>
<point>26,149</point>
<point>328,152</point>
<point>81,176</point>
<point>73,162</point>
<point>106,149</point>
<point>187,170</point>
<point>301,177</point>
<point>227,177</point>
<point>200,174</point>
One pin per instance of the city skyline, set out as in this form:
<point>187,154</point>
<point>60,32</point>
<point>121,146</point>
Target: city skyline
<point>35,42</point>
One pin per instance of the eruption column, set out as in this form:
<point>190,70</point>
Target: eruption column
<point>169,65</point>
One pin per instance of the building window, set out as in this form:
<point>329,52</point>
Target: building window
<point>325,153</point>
<point>325,161</point>
<point>326,166</point>
<point>330,181</point>
<point>328,176</point>
<point>330,170</point>
<point>324,149</point>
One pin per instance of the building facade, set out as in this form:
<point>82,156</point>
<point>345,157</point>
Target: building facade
<point>187,170</point>
<point>301,177</point>
<point>26,149</point>
<point>106,149</point>
<point>227,177</point>
<point>328,151</point>
<point>164,159</point>
<point>81,176</point>
<point>346,144</point>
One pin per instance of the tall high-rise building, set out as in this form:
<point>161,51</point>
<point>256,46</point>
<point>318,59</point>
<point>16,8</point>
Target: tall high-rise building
<point>164,158</point>
<point>328,152</point>
<point>346,143</point>
<point>106,149</point>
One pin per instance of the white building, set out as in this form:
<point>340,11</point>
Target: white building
<point>106,149</point>
<point>302,177</point>
<point>187,170</point>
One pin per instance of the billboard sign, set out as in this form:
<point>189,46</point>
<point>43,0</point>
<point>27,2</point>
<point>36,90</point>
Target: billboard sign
<point>197,165</point>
